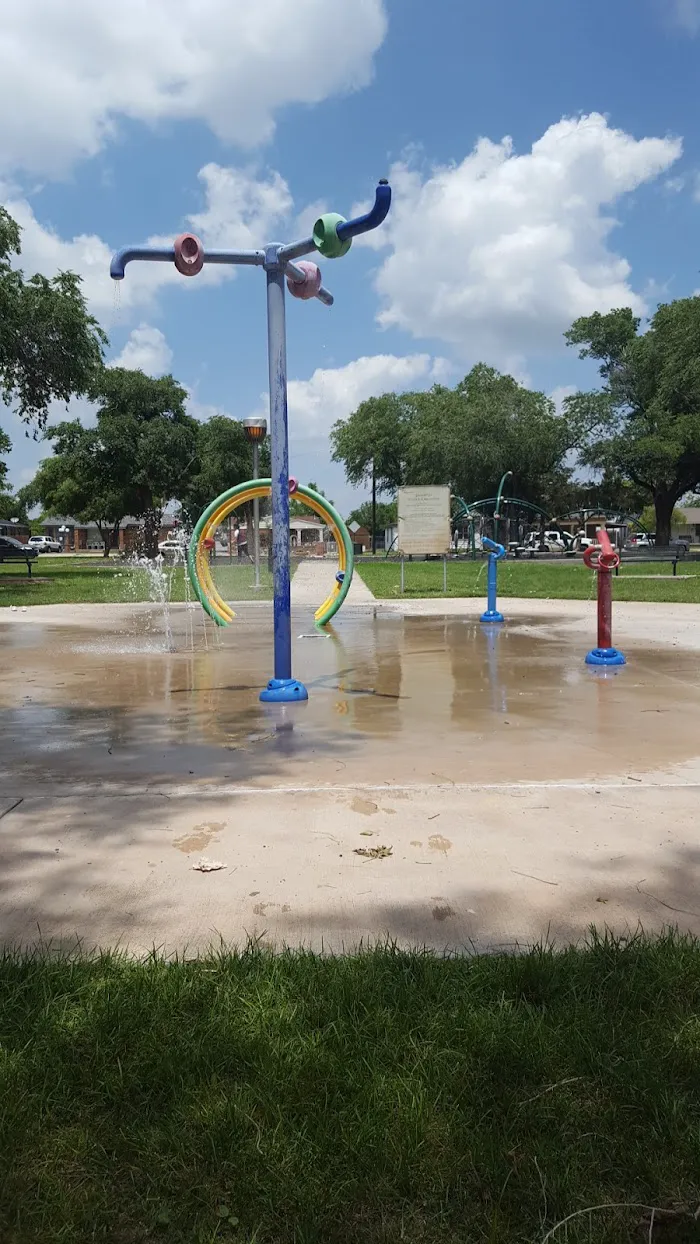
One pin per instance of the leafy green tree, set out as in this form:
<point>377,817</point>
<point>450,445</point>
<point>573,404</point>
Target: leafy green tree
<point>141,454</point>
<point>50,347</point>
<point>644,424</point>
<point>469,436</point>
<point>79,480</point>
<point>648,518</point>
<point>5,447</point>
<point>224,459</point>
<point>372,442</point>
<point>150,440</point>
<point>387,515</point>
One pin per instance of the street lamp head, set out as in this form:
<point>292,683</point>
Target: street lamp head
<point>255,429</point>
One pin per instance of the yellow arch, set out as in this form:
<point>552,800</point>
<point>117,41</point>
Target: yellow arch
<point>219,516</point>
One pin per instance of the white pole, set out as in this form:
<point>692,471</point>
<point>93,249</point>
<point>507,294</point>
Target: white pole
<point>256,519</point>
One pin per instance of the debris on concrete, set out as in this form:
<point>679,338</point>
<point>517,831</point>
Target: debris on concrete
<point>207,866</point>
<point>374,853</point>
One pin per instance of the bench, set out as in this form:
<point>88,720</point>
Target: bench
<point>9,553</point>
<point>674,554</point>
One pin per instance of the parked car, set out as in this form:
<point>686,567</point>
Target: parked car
<point>553,541</point>
<point>173,546</point>
<point>12,550</point>
<point>44,544</point>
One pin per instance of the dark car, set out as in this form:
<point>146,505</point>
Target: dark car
<point>12,550</point>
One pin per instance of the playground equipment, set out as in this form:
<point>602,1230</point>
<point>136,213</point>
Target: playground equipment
<point>198,563</point>
<point>332,237</point>
<point>604,559</point>
<point>496,553</point>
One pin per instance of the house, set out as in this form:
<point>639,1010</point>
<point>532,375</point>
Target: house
<point>309,536</point>
<point>361,539</point>
<point>691,527</point>
<point>85,537</point>
<point>18,531</point>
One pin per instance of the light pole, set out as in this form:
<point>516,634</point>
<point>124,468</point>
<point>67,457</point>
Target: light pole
<point>256,431</point>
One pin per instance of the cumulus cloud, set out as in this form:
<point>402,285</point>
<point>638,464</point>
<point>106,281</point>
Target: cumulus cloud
<point>334,392</point>
<point>146,350</point>
<point>70,71</point>
<point>499,253</point>
<point>241,209</point>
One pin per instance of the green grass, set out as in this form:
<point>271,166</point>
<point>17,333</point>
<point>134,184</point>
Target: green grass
<point>94,579</point>
<point>384,1097</point>
<point>553,581</point>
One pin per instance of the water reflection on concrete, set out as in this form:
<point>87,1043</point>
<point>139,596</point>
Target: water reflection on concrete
<point>391,699</point>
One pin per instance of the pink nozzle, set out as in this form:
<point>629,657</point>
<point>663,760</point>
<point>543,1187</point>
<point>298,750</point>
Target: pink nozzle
<point>293,484</point>
<point>309,287</point>
<point>189,254</point>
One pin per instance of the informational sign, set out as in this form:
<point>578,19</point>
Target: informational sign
<point>424,521</point>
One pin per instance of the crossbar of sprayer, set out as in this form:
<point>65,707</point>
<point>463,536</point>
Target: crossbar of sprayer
<point>251,259</point>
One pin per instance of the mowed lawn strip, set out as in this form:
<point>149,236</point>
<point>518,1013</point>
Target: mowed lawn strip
<point>389,1096</point>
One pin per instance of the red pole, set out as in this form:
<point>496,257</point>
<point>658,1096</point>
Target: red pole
<point>604,559</point>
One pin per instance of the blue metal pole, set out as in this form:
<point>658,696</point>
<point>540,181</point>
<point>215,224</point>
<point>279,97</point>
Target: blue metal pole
<point>282,688</point>
<point>496,552</point>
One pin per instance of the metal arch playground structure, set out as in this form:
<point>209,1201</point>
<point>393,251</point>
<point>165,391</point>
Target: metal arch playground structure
<point>198,563</point>
<point>332,237</point>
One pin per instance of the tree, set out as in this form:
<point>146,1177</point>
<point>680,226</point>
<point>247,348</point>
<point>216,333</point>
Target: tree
<point>150,442</point>
<point>141,454</point>
<point>466,437</point>
<point>50,347</point>
<point>5,447</point>
<point>371,443</point>
<point>647,518</point>
<point>224,459</point>
<point>489,424</point>
<point>79,480</point>
<point>386,515</point>
<point>644,424</point>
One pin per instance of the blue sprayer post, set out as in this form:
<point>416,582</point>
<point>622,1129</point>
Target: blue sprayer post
<point>496,553</point>
<point>332,237</point>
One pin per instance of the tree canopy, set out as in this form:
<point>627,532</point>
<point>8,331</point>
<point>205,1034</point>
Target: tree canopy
<point>387,515</point>
<point>141,454</point>
<point>644,423</point>
<point>466,437</point>
<point>224,459</point>
<point>50,347</point>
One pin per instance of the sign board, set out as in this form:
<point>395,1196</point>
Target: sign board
<point>424,520</point>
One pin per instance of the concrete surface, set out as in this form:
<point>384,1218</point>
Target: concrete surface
<point>521,795</point>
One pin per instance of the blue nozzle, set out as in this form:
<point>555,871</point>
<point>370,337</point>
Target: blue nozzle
<point>492,547</point>
<point>125,256</point>
<point>374,217</point>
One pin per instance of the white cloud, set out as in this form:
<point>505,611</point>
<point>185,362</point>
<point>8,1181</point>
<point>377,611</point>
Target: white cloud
<point>498,254</point>
<point>70,71</point>
<point>146,350</point>
<point>686,14</point>
<point>241,210</point>
<point>560,393</point>
<point>334,392</point>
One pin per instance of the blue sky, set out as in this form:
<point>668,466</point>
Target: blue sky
<point>545,156</point>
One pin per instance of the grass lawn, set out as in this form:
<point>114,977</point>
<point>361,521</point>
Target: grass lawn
<point>94,579</point>
<point>385,1097</point>
<point>554,580</point>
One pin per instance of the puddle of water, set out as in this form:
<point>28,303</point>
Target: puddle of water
<point>406,699</point>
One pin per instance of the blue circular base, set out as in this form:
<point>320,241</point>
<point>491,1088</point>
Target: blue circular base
<point>284,691</point>
<point>605,656</point>
<point>492,615</point>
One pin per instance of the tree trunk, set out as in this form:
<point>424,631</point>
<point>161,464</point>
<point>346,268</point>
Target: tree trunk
<point>663,504</point>
<point>104,537</point>
<point>151,527</point>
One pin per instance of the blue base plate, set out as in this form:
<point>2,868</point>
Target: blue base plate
<point>284,691</point>
<point>605,656</point>
<point>491,615</point>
